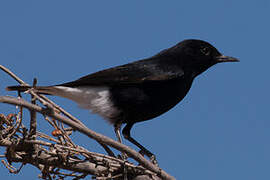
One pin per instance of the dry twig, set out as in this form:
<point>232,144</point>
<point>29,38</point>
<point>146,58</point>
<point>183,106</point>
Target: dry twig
<point>52,156</point>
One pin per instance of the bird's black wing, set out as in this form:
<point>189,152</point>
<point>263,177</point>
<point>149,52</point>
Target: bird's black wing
<point>148,70</point>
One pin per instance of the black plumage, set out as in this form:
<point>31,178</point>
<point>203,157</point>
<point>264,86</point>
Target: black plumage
<point>143,89</point>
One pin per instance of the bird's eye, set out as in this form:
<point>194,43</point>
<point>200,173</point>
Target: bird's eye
<point>206,51</point>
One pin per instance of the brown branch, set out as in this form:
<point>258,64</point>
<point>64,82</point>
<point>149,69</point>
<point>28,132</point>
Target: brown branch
<point>53,160</point>
<point>83,129</point>
<point>50,104</point>
<point>63,155</point>
<point>101,166</point>
<point>12,75</point>
<point>33,116</point>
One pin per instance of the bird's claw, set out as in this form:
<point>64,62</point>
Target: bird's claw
<point>123,156</point>
<point>151,156</point>
<point>154,160</point>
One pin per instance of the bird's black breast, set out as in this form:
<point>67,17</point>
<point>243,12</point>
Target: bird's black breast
<point>145,101</point>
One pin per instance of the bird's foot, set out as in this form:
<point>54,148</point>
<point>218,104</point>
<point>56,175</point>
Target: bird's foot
<point>150,155</point>
<point>123,156</point>
<point>154,160</point>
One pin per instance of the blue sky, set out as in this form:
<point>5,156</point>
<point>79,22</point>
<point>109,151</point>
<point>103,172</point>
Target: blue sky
<point>219,131</point>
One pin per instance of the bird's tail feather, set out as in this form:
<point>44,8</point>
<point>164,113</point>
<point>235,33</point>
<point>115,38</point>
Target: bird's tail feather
<point>17,88</point>
<point>50,90</point>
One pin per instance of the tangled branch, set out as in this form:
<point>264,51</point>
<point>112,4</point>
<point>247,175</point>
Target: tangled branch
<point>57,156</point>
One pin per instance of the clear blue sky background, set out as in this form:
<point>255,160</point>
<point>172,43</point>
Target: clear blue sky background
<point>220,131</point>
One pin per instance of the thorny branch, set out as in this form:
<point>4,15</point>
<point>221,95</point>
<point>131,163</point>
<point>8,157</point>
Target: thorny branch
<point>58,156</point>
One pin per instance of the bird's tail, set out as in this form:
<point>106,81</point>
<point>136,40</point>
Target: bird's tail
<point>18,88</point>
<point>50,90</point>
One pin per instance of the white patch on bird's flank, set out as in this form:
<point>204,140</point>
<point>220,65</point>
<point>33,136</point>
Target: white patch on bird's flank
<point>96,99</point>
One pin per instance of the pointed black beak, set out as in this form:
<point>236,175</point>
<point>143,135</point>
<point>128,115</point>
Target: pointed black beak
<point>223,58</point>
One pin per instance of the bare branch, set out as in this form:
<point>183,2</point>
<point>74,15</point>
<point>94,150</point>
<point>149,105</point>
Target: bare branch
<point>48,103</point>
<point>52,155</point>
<point>12,75</point>
<point>83,129</point>
<point>33,116</point>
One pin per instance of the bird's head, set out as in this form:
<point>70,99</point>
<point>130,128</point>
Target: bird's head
<point>197,55</point>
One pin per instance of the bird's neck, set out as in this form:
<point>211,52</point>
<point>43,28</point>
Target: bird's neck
<point>197,70</point>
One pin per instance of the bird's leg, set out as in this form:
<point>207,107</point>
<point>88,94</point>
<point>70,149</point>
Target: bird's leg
<point>117,128</point>
<point>126,134</point>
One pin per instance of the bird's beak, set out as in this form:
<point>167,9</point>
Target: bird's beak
<point>223,58</point>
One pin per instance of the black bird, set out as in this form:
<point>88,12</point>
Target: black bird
<point>140,90</point>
